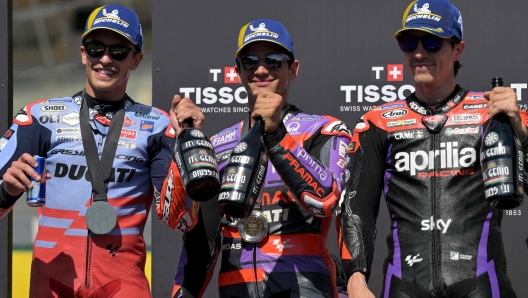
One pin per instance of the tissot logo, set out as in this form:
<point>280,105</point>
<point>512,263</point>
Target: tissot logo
<point>230,75</point>
<point>218,98</point>
<point>383,77</point>
<point>395,72</point>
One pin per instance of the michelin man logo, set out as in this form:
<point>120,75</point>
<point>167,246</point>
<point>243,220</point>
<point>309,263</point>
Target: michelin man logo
<point>112,14</point>
<point>424,9</point>
<point>261,27</point>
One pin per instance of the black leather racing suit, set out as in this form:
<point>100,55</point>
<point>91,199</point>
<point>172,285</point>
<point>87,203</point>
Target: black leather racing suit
<point>445,240</point>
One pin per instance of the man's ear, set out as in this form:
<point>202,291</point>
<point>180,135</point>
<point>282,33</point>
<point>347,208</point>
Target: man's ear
<point>294,70</point>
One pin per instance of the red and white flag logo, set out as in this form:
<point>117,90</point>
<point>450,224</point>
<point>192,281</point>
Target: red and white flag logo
<point>230,75</point>
<point>128,134</point>
<point>394,72</point>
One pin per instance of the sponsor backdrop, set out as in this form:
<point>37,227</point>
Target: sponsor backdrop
<point>349,63</point>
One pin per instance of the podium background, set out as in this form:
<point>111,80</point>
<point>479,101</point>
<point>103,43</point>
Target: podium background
<point>338,43</point>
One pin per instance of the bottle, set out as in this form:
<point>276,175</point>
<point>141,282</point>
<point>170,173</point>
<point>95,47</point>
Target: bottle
<point>501,160</point>
<point>196,162</point>
<point>244,174</point>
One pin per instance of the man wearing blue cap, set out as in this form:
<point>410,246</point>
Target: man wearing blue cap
<point>287,255</point>
<point>90,237</point>
<point>422,154</point>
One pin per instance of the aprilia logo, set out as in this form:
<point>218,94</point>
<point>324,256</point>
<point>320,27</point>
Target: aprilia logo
<point>449,155</point>
<point>417,108</point>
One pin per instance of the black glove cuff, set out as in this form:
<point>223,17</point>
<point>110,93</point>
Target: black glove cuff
<point>276,137</point>
<point>7,200</point>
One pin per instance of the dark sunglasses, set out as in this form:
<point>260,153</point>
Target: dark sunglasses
<point>96,49</point>
<point>431,43</point>
<point>271,61</point>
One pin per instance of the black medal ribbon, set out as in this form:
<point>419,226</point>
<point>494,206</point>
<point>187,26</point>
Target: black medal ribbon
<point>101,217</point>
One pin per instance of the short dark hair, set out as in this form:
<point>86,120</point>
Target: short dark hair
<point>454,41</point>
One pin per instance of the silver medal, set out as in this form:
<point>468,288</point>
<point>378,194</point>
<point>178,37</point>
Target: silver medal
<point>101,217</point>
<point>253,228</point>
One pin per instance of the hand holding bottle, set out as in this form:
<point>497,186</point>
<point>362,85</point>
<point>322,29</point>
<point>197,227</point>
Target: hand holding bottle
<point>182,109</point>
<point>268,106</point>
<point>501,154</point>
<point>504,100</point>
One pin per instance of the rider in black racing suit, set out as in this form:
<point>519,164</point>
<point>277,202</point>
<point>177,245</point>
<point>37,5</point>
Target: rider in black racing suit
<point>445,240</point>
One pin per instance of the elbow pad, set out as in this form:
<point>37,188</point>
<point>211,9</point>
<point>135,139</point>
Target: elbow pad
<point>173,207</point>
<point>312,184</point>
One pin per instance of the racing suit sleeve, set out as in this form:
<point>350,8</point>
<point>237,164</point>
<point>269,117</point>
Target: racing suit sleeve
<point>26,135</point>
<point>174,208</point>
<point>360,206</point>
<point>314,172</point>
<point>199,253</point>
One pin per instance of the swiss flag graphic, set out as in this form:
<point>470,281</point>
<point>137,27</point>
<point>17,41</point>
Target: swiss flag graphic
<point>230,75</point>
<point>394,72</point>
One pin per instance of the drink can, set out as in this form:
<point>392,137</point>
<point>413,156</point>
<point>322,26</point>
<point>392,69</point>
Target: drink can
<point>36,196</point>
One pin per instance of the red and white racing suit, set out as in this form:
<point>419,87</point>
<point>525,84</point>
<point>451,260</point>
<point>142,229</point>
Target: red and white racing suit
<point>69,260</point>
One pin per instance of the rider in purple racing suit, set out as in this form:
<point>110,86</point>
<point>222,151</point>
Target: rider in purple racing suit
<point>302,188</point>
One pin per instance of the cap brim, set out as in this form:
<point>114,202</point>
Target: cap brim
<point>444,34</point>
<point>252,41</point>
<point>85,34</point>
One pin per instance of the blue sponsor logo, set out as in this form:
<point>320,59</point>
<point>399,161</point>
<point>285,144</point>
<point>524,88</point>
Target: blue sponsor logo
<point>146,116</point>
<point>147,126</point>
<point>392,106</point>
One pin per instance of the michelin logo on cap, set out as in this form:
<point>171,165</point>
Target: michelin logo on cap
<point>423,13</point>
<point>264,30</point>
<point>260,31</point>
<point>111,17</point>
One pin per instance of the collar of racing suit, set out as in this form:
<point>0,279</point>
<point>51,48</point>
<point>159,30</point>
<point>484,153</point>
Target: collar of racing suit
<point>102,107</point>
<point>434,105</point>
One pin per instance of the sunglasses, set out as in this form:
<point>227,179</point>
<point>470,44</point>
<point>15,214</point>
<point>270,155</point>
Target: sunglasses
<point>96,49</point>
<point>271,61</point>
<point>431,43</point>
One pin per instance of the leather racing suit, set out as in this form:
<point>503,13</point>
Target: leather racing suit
<point>445,239</point>
<point>301,190</point>
<point>69,260</point>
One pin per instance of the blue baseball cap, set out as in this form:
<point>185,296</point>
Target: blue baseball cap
<point>118,19</point>
<point>438,17</point>
<point>264,30</point>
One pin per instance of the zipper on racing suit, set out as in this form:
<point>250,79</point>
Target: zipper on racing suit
<point>255,269</point>
<point>437,284</point>
<point>88,253</point>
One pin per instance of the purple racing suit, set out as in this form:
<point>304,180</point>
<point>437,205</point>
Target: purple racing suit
<point>302,188</point>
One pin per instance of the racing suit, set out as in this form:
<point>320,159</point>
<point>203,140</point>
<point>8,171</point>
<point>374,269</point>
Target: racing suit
<point>445,239</point>
<point>69,260</point>
<point>302,187</point>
